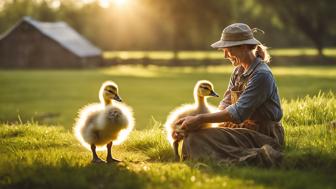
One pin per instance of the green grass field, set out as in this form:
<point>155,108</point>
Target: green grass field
<point>54,97</point>
<point>43,153</point>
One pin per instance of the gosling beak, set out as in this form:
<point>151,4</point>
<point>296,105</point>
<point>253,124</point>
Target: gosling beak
<point>117,98</point>
<point>212,93</point>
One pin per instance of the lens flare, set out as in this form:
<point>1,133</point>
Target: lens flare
<point>120,3</point>
<point>104,3</point>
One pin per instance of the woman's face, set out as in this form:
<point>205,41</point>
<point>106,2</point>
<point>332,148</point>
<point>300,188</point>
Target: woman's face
<point>234,54</point>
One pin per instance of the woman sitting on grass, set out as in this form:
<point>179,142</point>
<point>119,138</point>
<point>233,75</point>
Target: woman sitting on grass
<point>250,130</point>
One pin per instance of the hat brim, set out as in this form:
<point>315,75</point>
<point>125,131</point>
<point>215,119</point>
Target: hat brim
<point>223,44</point>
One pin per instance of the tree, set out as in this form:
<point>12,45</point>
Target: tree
<point>315,19</point>
<point>192,22</point>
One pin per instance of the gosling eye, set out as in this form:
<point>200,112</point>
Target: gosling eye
<point>110,91</point>
<point>206,88</point>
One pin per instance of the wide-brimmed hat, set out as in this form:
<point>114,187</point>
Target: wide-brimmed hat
<point>236,34</point>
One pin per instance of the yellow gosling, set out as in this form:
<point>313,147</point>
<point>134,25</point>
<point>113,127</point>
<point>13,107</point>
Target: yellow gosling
<point>202,90</point>
<point>104,124</point>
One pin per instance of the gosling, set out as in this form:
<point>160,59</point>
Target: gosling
<point>175,134</point>
<point>103,124</point>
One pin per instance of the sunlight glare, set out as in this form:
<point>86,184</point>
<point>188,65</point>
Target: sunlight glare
<point>104,3</point>
<point>55,4</point>
<point>120,3</point>
<point>2,4</point>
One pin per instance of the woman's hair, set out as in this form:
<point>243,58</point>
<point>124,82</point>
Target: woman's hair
<point>258,50</point>
<point>261,52</point>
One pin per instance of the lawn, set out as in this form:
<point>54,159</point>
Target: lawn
<point>38,149</point>
<point>54,97</point>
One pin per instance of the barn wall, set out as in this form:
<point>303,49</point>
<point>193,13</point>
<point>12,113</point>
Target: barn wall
<point>15,48</point>
<point>26,47</point>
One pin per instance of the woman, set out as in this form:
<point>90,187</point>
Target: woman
<point>250,130</point>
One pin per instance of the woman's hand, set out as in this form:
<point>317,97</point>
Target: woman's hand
<point>189,122</point>
<point>221,107</point>
<point>192,123</point>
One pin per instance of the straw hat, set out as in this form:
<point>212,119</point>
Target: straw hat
<point>236,34</point>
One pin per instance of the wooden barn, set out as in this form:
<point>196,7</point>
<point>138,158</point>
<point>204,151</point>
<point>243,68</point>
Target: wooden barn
<point>34,44</point>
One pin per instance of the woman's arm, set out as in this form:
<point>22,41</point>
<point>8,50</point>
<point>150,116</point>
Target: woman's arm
<point>259,88</point>
<point>217,117</point>
<point>191,122</point>
<point>257,91</point>
<point>226,100</point>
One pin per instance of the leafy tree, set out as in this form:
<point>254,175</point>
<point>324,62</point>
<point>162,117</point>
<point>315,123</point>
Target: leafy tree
<point>315,19</point>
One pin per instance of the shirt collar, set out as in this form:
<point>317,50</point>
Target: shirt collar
<point>252,67</point>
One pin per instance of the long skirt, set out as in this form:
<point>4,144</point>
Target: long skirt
<point>251,142</point>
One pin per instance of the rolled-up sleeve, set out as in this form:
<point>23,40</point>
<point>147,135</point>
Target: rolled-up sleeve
<point>226,99</point>
<point>257,91</point>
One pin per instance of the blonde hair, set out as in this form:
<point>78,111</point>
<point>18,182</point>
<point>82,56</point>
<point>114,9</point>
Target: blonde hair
<point>261,52</point>
<point>258,50</point>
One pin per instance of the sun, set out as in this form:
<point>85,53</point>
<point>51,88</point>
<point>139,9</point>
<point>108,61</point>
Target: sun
<point>120,3</point>
<point>104,3</point>
<point>107,3</point>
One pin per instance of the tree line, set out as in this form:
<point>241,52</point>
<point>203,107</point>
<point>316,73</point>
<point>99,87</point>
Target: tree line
<point>182,24</point>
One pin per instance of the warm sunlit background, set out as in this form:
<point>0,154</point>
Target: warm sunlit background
<point>173,32</point>
<point>180,25</point>
<point>55,54</point>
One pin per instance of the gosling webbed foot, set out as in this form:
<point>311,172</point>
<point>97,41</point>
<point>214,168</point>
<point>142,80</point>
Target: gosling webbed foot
<point>95,158</point>
<point>175,146</point>
<point>112,160</point>
<point>97,161</point>
<point>109,158</point>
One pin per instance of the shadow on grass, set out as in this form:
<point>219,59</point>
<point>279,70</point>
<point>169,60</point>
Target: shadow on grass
<point>310,159</point>
<point>279,177</point>
<point>298,170</point>
<point>69,176</point>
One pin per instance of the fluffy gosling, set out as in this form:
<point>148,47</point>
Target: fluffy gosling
<point>107,123</point>
<point>202,90</point>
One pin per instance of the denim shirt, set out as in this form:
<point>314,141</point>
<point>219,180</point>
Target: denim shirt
<point>259,99</point>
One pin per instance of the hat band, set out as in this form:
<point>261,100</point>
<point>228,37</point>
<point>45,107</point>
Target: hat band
<point>236,36</point>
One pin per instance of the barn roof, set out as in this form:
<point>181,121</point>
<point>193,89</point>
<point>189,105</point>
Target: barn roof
<point>64,35</point>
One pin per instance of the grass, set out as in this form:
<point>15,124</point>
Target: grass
<point>313,110</point>
<point>54,97</point>
<point>39,156</point>
<point>38,149</point>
